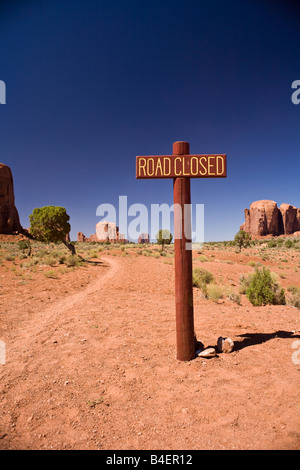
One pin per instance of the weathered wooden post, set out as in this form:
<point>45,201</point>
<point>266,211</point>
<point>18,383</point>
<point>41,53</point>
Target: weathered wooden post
<point>186,342</point>
<point>181,166</point>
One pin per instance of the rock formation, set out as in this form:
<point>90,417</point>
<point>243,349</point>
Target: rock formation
<point>264,218</point>
<point>9,217</point>
<point>105,232</point>
<point>290,218</point>
<point>144,238</point>
<point>81,237</point>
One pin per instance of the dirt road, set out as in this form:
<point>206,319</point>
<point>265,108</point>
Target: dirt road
<point>97,369</point>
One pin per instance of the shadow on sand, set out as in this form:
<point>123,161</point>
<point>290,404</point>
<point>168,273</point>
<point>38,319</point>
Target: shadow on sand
<point>251,339</point>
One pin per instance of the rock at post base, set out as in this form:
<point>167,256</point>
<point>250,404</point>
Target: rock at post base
<point>208,352</point>
<point>225,345</point>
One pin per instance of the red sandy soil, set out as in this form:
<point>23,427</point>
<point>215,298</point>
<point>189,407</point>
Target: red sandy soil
<point>91,362</point>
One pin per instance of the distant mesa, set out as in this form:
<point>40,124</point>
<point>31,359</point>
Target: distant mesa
<point>9,217</point>
<point>265,218</point>
<point>105,232</point>
<point>144,238</point>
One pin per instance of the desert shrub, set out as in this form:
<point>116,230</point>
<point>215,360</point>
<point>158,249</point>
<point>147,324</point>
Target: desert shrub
<point>51,274</point>
<point>293,289</point>
<point>41,253</point>
<point>201,278</point>
<point>9,257</point>
<point>244,280</point>
<point>48,260</point>
<point>23,245</point>
<point>272,244</point>
<point>234,297</point>
<point>294,299</point>
<point>73,261</point>
<point>63,269</point>
<point>203,258</point>
<point>31,262</point>
<point>214,292</point>
<point>92,254</point>
<point>251,263</point>
<point>264,290</point>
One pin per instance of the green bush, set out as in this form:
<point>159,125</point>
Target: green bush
<point>289,244</point>
<point>201,278</point>
<point>264,290</point>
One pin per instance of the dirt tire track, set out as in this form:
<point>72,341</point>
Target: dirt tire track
<point>47,316</point>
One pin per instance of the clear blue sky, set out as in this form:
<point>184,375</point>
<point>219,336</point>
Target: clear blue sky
<point>91,84</point>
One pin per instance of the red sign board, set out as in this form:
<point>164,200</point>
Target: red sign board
<point>181,166</point>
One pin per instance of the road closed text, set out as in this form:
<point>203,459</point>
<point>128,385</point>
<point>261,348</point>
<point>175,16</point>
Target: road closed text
<point>181,166</point>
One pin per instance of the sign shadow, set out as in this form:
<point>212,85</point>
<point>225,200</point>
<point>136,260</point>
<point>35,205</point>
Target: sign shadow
<point>252,339</point>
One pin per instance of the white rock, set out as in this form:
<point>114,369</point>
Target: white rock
<point>225,345</point>
<point>209,352</point>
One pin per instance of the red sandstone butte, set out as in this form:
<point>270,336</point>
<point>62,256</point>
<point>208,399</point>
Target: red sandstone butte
<point>105,232</point>
<point>9,217</point>
<point>289,218</point>
<point>264,218</point>
<point>144,238</point>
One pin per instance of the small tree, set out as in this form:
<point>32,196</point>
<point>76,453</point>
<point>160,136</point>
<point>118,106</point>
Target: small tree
<point>164,237</point>
<point>51,224</point>
<point>242,239</point>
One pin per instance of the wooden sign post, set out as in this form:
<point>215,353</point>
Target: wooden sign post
<point>181,166</point>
